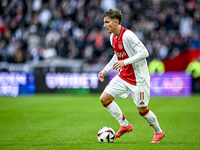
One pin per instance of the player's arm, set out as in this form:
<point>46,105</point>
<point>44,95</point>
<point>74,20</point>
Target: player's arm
<point>102,74</point>
<point>107,68</point>
<point>134,44</point>
<point>109,65</point>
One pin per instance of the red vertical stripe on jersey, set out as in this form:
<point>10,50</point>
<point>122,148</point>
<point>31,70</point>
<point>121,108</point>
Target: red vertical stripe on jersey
<point>127,72</point>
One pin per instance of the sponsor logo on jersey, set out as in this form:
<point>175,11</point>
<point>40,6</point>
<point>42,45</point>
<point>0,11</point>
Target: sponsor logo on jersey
<point>120,54</point>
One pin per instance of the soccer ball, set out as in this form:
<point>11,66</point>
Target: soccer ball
<point>106,135</point>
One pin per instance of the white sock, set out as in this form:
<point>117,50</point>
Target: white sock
<point>116,112</point>
<point>151,118</point>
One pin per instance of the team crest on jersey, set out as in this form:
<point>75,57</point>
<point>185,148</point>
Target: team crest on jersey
<point>120,46</point>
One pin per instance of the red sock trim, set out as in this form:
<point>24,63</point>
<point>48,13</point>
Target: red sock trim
<point>123,117</point>
<point>144,113</point>
<point>105,105</point>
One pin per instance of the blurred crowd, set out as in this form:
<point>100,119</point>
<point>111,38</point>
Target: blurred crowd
<point>33,30</point>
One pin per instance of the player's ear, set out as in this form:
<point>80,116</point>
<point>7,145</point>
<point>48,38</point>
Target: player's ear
<point>116,22</point>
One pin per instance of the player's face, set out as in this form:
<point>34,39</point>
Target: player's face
<point>109,24</point>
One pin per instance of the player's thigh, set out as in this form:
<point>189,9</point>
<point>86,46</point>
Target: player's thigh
<point>116,87</point>
<point>141,95</point>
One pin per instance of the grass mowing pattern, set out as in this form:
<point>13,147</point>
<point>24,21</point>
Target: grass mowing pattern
<point>50,121</point>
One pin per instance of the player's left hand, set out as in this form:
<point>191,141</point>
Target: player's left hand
<point>118,65</point>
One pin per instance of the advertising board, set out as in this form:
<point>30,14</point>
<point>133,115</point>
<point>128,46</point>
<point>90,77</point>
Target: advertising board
<point>169,84</point>
<point>17,83</point>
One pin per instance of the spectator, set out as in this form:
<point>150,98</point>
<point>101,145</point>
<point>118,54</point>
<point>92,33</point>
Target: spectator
<point>73,29</point>
<point>3,51</point>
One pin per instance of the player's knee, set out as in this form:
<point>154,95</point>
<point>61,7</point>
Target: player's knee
<point>102,99</point>
<point>105,101</point>
<point>140,112</point>
<point>143,110</point>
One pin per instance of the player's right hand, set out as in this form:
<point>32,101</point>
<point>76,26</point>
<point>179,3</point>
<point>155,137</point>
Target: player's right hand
<point>101,75</point>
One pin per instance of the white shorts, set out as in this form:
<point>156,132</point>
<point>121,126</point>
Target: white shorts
<point>139,93</point>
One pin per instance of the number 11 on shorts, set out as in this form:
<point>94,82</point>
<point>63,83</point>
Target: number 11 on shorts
<point>141,95</point>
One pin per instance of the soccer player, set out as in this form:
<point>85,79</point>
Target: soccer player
<point>133,77</point>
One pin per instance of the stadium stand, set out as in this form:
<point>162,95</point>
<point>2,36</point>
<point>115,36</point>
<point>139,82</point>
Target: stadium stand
<point>37,31</point>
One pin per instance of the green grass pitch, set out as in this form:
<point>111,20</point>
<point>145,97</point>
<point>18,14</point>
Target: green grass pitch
<point>63,121</point>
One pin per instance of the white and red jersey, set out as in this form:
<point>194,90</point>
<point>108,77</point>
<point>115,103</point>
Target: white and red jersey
<point>130,49</point>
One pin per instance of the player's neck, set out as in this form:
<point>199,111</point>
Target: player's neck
<point>117,31</point>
